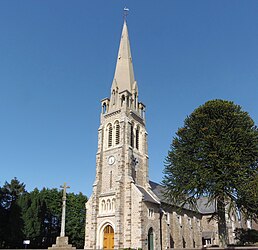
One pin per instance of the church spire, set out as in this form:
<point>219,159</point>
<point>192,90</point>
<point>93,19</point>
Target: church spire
<point>124,74</point>
<point>124,90</point>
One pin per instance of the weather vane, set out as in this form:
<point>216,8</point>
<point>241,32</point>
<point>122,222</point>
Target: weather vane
<point>126,10</point>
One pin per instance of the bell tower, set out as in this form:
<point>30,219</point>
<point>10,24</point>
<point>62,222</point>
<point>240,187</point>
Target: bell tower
<point>122,133</point>
<point>113,216</point>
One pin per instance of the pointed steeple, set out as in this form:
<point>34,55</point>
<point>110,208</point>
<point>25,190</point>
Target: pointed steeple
<point>124,75</point>
<point>124,90</point>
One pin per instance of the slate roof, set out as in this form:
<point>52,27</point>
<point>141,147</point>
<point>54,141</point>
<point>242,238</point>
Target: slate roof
<point>147,196</point>
<point>202,205</point>
<point>205,208</point>
<point>158,190</point>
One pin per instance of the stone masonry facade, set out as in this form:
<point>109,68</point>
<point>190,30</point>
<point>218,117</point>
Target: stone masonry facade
<point>126,209</point>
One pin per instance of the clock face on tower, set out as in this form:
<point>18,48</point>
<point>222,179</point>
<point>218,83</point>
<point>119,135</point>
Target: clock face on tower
<point>111,160</point>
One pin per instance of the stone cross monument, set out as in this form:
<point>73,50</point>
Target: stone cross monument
<point>62,241</point>
<point>62,234</point>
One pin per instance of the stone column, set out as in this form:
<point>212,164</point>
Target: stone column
<point>62,234</point>
<point>62,241</point>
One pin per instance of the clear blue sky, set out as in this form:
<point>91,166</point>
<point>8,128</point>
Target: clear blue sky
<point>57,60</point>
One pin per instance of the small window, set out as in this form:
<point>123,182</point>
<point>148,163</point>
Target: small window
<point>249,224</point>
<point>207,242</point>
<point>151,212</point>
<point>168,218</point>
<point>110,180</point>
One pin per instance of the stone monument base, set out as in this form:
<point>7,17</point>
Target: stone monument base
<point>61,243</point>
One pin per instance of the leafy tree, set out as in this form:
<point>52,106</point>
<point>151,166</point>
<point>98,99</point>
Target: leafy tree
<point>215,154</point>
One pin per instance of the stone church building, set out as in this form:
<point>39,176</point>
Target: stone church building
<point>126,209</point>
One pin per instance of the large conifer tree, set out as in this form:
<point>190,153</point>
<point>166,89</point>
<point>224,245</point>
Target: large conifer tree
<point>10,214</point>
<point>215,154</point>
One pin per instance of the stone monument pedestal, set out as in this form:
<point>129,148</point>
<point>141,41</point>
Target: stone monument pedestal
<point>61,243</point>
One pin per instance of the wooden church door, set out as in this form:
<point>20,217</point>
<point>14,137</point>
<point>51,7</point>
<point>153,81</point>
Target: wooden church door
<point>108,237</point>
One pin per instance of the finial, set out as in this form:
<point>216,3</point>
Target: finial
<point>126,10</point>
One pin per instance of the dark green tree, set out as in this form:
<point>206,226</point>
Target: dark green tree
<point>52,219</point>
<point>41,213</point>
<point>246,236</point>
<point>12,224</point>
<point>248,195</point>
<point>214,154</point>
<point>3,219</point>
<point>36,216</point>
<point>75,225</point>
<point>33,215</point>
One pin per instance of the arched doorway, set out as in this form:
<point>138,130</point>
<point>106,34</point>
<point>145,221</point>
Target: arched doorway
<point>108,242</point>
<point>150,239</point>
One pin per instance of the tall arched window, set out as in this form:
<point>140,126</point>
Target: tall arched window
<point>104,108</point>
<point>113,204</point>
<point>150,239</point>
<point>137,137</point>
<point>108,205</point>
<point>184,242</point>
<point>110,180</point>
<point>109,135</point>
<point>122,100</point>
<point>127,101</point>
<point>114,96</point>
<point>132,136</point>
<point>145,143</point>
<point>117,126</point>
<point>102,206</point>
<point>135,100</point>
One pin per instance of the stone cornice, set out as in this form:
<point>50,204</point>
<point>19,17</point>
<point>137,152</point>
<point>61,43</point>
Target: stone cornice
<point>136,117</point>
<point>113,113</point>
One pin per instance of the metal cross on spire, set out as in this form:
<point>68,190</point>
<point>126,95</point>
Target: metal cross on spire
<point>62,234</point>
<point>126,10</point>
